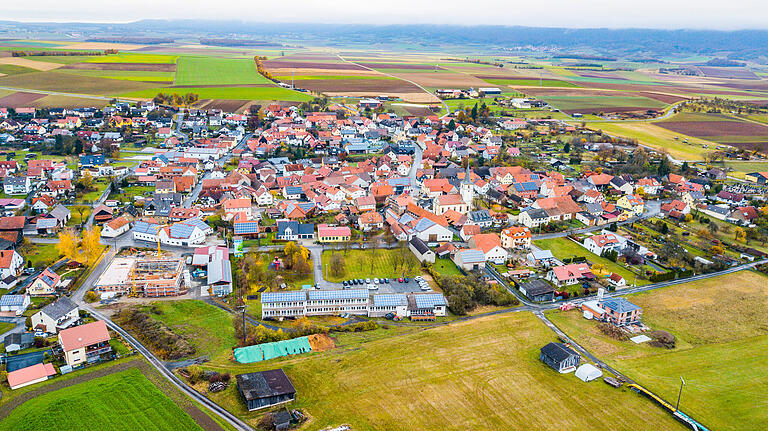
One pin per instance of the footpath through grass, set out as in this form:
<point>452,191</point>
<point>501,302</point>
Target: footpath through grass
<point>721,331</point>
<point>121,401</point>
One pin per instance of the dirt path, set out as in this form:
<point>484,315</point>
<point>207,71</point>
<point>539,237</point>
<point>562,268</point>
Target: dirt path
<point>202,419</point>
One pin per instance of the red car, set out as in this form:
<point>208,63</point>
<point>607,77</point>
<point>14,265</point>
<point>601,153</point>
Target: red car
<point>399,280</point>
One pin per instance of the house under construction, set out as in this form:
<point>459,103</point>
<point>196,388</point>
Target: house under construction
<point>146,276</point>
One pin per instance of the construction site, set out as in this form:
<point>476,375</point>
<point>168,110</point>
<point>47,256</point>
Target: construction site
<point>147,275</point>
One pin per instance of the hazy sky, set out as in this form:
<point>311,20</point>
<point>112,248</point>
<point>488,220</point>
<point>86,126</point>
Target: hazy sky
<point>699,14</point>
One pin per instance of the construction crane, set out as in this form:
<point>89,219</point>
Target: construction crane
<point>159,252</point>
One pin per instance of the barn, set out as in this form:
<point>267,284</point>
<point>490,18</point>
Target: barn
<point>265,389</point>
<point>560,357</point>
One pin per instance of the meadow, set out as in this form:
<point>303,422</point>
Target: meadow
<point>658,138</point>
<point>125,400</point>
<point>369,264</point>
<point>480,374</point>
<point>719,325</point>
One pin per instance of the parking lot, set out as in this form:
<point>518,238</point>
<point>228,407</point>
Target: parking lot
<point>392,287</point>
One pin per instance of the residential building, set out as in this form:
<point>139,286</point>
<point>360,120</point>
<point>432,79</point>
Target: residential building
<point>420,249</point>
<point>598,244</point>
<point>566,275</point>
<point>44,284</point>
<point>85,343</point>
<point>490,244</point>
<point>621,312</point>
<point>16,304</point>
<point>538,290</point>
<point>56,316</point>
<point>469,259</point>
<point>516,237</point>
<point>17,185</point>
<point>327,233</point>
<point>293,230</point>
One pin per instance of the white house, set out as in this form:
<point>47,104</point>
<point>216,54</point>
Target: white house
<point>598,244</point>
<point>14,303</point>
<point>56,316</point>
<point>490,244</point>
<point>115,227</point>
<point>11,264</point>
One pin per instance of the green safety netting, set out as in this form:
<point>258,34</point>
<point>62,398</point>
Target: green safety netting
<point>266,351</point>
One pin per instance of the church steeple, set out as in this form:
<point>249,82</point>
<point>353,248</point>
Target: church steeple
<point>467,189</point>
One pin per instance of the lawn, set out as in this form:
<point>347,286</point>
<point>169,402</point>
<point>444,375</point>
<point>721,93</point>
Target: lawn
<point>658,138</point>
<point>121,401</point>
<point>720,325</point>
<point>564,248</point>
<point>232,93</point>
<point>207,328</point>
<point>740,169</point>
<point>6,326</point>
<point>217,71</point>
<point>446,267</point>
<point>42,254</point>
<point>480,374</point>
<point>368,263</point>
<point>130,192</point>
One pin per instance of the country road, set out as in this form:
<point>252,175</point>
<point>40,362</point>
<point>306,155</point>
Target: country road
<point>447,109</point>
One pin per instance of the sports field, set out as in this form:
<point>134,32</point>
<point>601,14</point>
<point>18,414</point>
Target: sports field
<point>720,327</point>
<point>217,71</point>
<point>121,401</point>
<point>481,374</point>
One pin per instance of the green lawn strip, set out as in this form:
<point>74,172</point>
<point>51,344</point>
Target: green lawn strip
<point>446,267</point>
<point>388,263</point>
<point>483,374</point>
<point>563,248</point>
<point>125,400</point>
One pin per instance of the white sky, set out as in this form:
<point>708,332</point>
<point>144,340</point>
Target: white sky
<point>669,14</point>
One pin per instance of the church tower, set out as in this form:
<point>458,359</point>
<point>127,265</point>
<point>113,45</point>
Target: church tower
<point>467,189</point>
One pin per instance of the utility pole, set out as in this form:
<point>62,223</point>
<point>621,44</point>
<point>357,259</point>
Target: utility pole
<point>679,394</point>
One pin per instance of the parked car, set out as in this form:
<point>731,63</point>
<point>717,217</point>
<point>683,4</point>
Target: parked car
<point>399,280</point>
<point>368,280</point>
<point>405,280</point>
<point>375,281</point>
<point>386,280</point>
<point>389,316</point>
<point>344,283</point>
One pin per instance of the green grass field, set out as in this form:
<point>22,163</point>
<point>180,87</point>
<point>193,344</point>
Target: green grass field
<point>121,401</point>
<point>369,264</point>
<point>481,374</point>
<point>207,328</point>
<point>719,324</point>
<point>564,248</point>
<point>43,254</point>
<point>742,168</point>
<point>234,93</point>
<point>658,138</point>
<point>12,69</point>
<point>446,267</point>
<point>217,71</point>
<point>130,75</point>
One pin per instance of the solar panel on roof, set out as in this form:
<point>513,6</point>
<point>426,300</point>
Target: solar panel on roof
<point>389,300</point>
<point>338,294</point>
<point>293,296</point>
<point>429,300</point>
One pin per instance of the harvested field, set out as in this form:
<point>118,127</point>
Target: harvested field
<point>443,80</point>
<point>53,101</point>
<point>32,64</point>
<point>723,128</point>
<point>224,104</point>
<point>750,85</point>
<point>286,64</point>
<point>69,83</point>
<point>102,46</point>
<point>419,112</point>
<point>678,89</point>
<point>604,75</point>
<point>150,67</point>
<point>353,85</point>
<point>401,66</point>
<point>299,71</point>
<point>727,72</point>
<point>662,97</point>
<point>19,100</point>
<point>614,103</point>
<point>420,97</point>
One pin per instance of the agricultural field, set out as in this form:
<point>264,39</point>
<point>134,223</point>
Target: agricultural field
<point>563,248</point>
<point>480,374</point>
<point>125,400</point>
<point>589,104</point>
<point>719,324</point>
<point>229,93</point>
<point>719,128</point>
<point>373,263</point>
<point>527,82</point>
<point>658,138</point>
<point>202,71</point>
<point>68,83</point>
<point>740,169</point>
